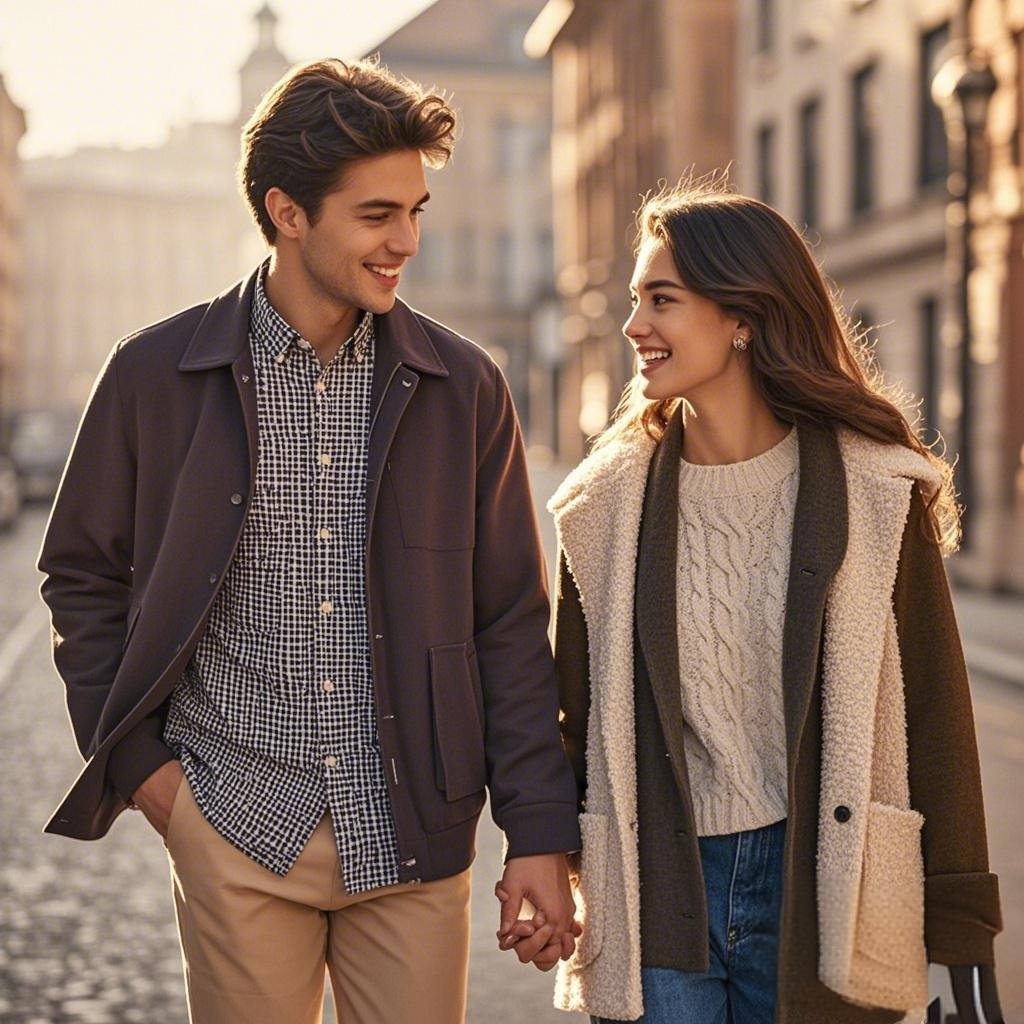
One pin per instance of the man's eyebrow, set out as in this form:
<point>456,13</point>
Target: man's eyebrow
<point>387,204</point>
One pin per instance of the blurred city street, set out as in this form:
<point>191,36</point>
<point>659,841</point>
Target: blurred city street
<point>87,929</point>
<point>889,133</point>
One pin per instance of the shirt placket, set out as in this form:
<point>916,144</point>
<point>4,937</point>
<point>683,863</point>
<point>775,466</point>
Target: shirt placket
<point>337,711</point>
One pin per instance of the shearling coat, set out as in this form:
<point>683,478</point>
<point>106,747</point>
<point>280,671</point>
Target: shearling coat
<point>879,728</point>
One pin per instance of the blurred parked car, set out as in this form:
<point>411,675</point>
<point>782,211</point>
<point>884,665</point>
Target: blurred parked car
<point>40,441</point>
<point>10,493</point>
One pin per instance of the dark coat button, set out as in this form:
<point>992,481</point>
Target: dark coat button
<point>236,498</point>
<point>842,813</point>
<point>807,572</point>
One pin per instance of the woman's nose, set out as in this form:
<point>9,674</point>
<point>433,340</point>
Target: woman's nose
<point>635,327</point>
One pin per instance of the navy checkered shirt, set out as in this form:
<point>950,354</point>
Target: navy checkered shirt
<point>273,718</point>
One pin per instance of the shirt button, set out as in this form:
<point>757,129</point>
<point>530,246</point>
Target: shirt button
<point>236,498</point>
<point>330,760</point>
<point>327,607</point>
<point>328,686</point>
<point>324,533</point>
<point>325,459</point>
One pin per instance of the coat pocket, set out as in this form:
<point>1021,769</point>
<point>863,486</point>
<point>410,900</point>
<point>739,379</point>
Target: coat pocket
<point>890,960</point>
<point>432,514</point>
<point>589,892</point>
<point>458,720</point>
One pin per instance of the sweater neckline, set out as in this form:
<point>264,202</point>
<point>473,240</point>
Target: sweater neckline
<point>757,474</point>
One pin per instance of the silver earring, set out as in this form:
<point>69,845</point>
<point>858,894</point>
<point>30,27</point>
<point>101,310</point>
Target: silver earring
<point>740,343</point>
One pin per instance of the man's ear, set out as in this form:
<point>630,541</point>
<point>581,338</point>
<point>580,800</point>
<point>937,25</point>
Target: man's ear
<point>289,218</point>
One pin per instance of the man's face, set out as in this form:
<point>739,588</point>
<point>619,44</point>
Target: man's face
<point>366,232</point>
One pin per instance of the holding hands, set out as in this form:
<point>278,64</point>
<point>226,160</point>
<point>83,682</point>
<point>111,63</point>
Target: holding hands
<point>540,883</point>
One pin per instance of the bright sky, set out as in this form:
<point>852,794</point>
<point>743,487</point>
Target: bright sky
<point>111,72</point>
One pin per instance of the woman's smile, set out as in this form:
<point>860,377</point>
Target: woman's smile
<point>652,359</point>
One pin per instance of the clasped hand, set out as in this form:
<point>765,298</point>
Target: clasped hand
<point>540,883</point>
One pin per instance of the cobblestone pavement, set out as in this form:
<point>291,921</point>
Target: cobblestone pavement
<point>87,931</point>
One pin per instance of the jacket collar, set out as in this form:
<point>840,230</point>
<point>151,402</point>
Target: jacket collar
<point>223,334</point>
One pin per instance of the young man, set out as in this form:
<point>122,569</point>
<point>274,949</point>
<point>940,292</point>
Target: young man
<point>298,601</point>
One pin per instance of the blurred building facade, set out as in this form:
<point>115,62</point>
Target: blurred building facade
<point>643,91</point>
<point>486,247</point>
<point>838,129</point>
<point>12,128</point>
<point>996,33</point>
<point>115,239</point>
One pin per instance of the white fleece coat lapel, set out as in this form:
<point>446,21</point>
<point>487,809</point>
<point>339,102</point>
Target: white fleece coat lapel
<point>597,516</point>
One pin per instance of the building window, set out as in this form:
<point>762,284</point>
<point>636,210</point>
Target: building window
<point>865,129</point>
<point>466,255</point>
<point>504,264</point>
<point>512,32</point>
<point>928,319</point>
<point>765,41</point>
<point>810,162</point>
<point>933,161</point>
<point>766,163</point>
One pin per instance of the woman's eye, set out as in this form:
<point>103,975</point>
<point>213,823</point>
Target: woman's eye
<point>659,300</point>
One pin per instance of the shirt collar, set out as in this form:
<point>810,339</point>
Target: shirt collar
<point>278,337</point>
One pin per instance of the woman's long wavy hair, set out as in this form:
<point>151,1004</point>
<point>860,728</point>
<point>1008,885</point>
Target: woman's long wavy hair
<point>809,361</point>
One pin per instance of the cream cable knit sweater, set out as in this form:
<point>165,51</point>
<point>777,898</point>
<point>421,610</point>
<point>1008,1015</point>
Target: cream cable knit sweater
<point>735,531</point>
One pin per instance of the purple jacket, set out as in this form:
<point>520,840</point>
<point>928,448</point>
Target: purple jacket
<point>148,517</point>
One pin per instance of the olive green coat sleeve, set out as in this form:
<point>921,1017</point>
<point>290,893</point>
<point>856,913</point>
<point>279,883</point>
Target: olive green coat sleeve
<point>961,896</point>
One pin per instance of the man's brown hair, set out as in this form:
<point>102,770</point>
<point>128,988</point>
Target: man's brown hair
<point>323,116</point>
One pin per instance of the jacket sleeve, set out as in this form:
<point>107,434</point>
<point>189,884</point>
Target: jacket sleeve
<point>572,663</point>
<point>533,799</point>
<point>87,561</point>
<point>962,913</point>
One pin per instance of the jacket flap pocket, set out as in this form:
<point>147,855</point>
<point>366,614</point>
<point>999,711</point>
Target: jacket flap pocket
<point>458,720</point>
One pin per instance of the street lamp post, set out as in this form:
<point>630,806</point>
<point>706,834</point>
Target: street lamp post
<point>963,87</point>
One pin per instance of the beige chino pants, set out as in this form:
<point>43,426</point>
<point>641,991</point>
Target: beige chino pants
<point>255,944</point>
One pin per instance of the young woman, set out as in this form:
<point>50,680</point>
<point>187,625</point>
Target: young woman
<point>763,690</point>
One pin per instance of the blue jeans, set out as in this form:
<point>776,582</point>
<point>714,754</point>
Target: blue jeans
<point>743,879</point>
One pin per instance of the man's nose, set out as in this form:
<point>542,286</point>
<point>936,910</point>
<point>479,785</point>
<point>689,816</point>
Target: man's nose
<point>405,240</point>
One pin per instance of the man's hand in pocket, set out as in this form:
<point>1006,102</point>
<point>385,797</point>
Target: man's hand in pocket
<point>155,797</point>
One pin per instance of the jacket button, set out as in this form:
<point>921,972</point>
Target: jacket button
<point>213,577</point>
<point>842,813</point>
<point>808,572</point>
<point>236,498</point>
<point>680,832</point>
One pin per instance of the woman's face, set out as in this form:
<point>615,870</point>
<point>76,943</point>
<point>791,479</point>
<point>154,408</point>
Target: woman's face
<point>683,341</point>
